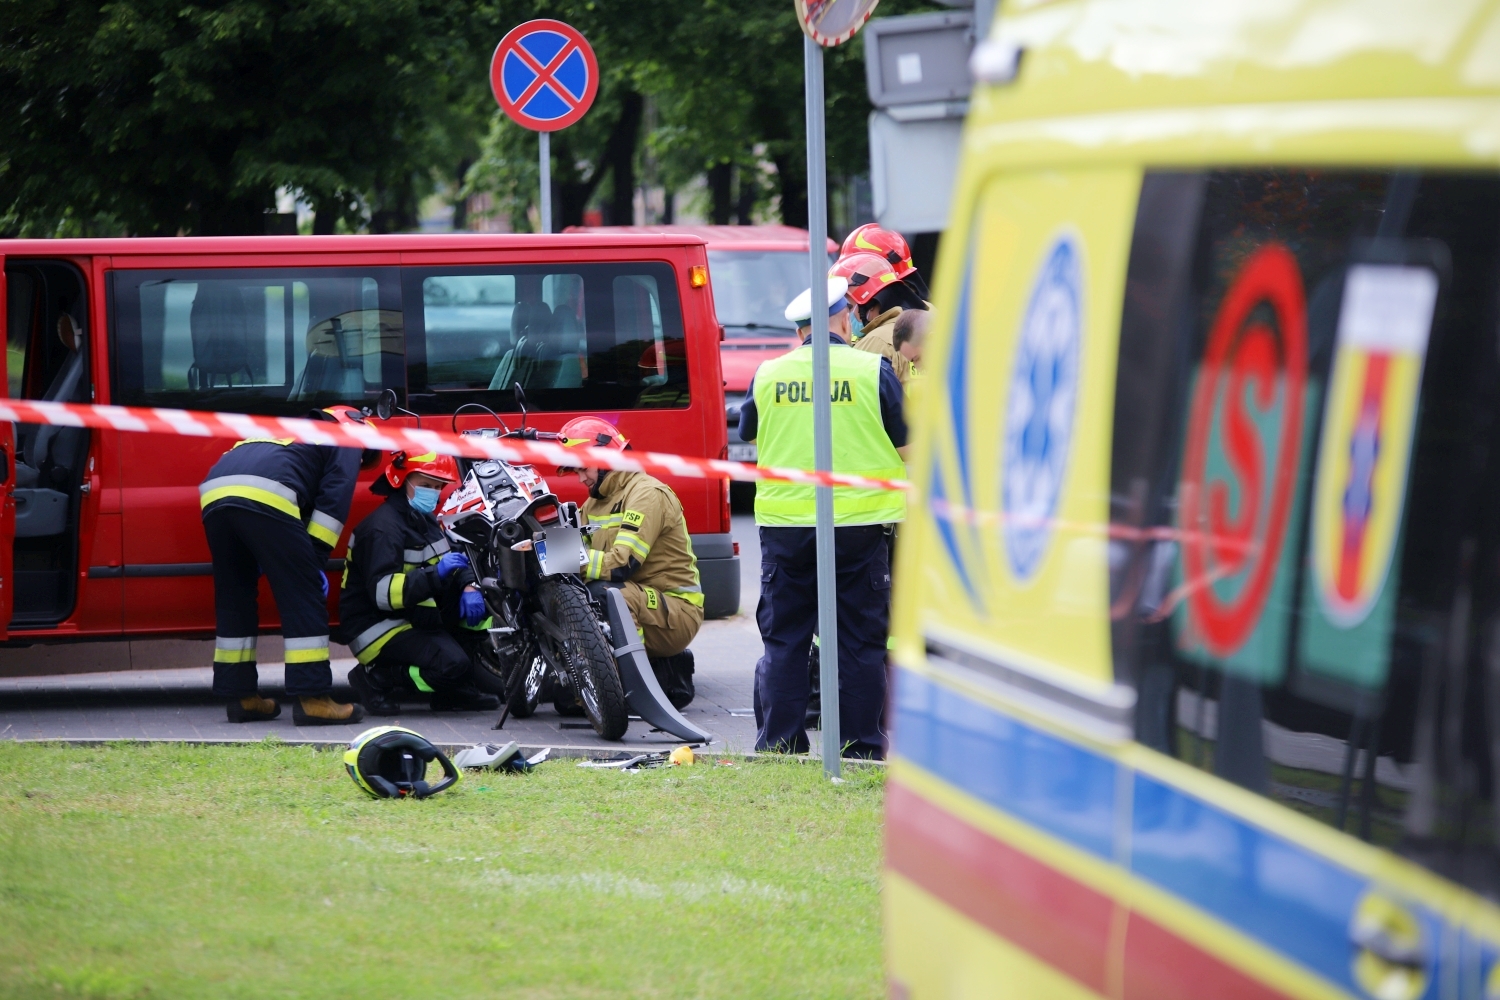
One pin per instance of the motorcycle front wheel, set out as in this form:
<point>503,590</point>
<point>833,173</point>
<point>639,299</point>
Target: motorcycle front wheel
<point>586,657</point>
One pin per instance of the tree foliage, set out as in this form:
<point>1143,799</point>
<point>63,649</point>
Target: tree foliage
<point>166,116</point>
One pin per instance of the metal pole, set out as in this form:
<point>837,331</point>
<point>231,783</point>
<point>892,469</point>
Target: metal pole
<point>544,141</point>
<point>817,240</point>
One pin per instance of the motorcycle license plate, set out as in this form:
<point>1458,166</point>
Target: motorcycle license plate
<point>560,550</point>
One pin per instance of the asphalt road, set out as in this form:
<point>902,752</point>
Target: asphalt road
<point>101,691</point>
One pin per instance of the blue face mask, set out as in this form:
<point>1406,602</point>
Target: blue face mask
<point>425,498</point>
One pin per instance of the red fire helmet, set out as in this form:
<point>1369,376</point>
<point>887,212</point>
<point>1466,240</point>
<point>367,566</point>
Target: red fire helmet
<point>867,273</point>
<point>873,238</point>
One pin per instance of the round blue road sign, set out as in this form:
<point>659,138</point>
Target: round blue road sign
<point>544,75</point>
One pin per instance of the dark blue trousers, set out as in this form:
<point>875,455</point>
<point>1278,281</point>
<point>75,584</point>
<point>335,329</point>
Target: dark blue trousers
<point>788,615</point>
<point>244,544</point>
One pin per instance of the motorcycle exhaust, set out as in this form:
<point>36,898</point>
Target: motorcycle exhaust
<point>642,693</point>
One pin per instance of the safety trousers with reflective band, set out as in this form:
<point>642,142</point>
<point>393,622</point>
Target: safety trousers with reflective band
<point>245,544</point>
<point>368,644</point>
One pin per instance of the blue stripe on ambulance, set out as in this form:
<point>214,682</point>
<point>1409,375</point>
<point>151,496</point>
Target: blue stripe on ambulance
<point>1288,898</point>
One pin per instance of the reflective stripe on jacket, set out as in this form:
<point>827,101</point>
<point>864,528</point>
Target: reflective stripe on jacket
<point>312,484</point>
<point>390,577</point>
<point>642,536</point>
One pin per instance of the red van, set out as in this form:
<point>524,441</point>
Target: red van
<point>756,271</point>
<point>102,528</point>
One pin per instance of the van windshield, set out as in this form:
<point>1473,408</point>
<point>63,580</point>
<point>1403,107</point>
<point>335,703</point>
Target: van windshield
<point>753,287</point>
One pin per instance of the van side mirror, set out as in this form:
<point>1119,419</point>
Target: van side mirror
<point>385,406</point>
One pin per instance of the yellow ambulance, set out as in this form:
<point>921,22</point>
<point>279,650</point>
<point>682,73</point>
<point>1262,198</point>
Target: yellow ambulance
<point>1197,620</point>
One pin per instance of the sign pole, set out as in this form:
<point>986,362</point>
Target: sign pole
<point>544,143</point>
<point>544,77</point>
<point>817,241</point>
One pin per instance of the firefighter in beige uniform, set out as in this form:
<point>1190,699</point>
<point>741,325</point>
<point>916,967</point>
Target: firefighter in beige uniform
<point>883,285</point>
<point>640,544</point>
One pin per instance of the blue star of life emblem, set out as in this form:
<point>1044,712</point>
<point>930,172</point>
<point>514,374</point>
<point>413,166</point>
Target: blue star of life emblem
<point>1043,399</point>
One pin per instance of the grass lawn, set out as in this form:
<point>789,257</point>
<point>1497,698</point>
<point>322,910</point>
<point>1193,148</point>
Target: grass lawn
<point>260,871</point>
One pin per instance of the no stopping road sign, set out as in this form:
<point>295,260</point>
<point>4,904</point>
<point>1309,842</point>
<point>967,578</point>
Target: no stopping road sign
<point>544,75</point>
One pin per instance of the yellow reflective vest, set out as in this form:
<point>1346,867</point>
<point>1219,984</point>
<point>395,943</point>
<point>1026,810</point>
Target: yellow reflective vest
<point>784,437</point>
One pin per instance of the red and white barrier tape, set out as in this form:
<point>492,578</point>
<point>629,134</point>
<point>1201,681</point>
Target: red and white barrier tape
<point>384,437</point>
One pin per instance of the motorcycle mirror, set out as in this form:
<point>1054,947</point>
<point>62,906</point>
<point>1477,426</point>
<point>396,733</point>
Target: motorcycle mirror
<point>386,407</point>
<point>520,401</point>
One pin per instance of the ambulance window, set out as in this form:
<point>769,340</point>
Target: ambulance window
<point>1305,572</point>
<point>259,341</point>
<point>591,337</point>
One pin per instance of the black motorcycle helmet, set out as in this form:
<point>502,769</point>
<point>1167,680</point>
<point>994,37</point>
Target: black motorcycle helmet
<point>390,762</point>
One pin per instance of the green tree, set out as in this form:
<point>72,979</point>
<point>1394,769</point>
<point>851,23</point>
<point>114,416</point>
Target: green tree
<point>164,116</point>
<point>726,81</point>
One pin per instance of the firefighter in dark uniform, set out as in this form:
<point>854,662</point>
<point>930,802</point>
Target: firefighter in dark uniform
<point>640,544</point>
<point>409,609</point>
<point>869,433</point>
<point>276,506</point>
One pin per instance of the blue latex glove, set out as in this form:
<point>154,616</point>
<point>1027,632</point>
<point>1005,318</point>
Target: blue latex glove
<point>450,562</point>
<point>471,607</point>
<point>323,579</point>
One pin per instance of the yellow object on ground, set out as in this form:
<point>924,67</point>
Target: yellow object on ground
<point>683,756</point>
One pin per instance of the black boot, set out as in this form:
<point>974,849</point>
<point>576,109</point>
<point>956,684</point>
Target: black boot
<point>815,689</point>
<point>468,699</point>
<point>675,675</point>
<point>377,698</point>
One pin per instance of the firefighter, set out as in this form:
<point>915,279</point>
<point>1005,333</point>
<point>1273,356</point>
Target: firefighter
<point>899,289</point>
<point>276,506</point>
<point>869,434</point>
<point>875,238</point>
<point>640,544</point>
<point>410,609</point>
<point>869,276</point>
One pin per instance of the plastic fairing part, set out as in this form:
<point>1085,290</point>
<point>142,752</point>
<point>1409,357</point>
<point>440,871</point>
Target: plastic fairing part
<point>485,755</point>
<point>642,693</point>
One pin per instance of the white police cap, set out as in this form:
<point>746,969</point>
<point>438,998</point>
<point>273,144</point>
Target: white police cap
<point>800,309</point>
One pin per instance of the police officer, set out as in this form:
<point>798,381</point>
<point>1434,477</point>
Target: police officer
<point>640,544</point>
<point>869,430</point>
<point>276,506</point>
<point>409,609</point>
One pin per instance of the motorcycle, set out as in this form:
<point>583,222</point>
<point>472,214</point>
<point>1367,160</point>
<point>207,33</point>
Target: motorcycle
<point>527,548</point>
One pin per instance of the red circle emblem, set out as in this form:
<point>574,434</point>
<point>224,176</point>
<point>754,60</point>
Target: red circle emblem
<point>544,75</point>
<point>1248,369</point>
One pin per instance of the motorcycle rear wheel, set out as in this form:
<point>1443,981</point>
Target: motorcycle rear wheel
<point>586,657</point>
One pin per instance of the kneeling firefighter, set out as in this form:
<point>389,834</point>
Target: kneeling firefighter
<point>275,506</point>
<point>640,545</point>
<point>409,609</point>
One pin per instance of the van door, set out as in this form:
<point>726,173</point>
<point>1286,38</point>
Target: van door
<point>268,341</point>
<point>7,479</point>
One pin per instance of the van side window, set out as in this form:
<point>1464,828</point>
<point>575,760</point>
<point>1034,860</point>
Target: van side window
<point>584,336</point>
<point>256,341</point>
<point>1305,536</point>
